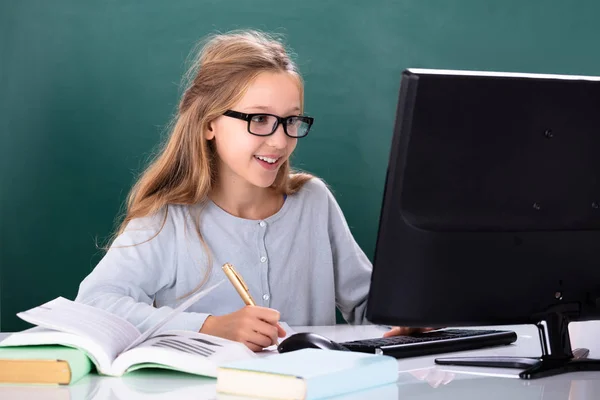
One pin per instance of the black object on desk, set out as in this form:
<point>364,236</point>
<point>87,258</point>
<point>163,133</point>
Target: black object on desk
<point>307,340</point>
<point>436,342</point>
<point>421,344</point>
<point>491,209</point>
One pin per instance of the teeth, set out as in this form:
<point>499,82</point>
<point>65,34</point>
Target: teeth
<point>267,159</point>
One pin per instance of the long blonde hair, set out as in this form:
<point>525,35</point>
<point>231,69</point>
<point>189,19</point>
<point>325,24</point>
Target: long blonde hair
<point>184,170</point>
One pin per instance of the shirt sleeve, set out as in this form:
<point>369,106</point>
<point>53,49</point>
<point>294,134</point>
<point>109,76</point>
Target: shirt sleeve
<point>352,268</point>
<point>139,263</point>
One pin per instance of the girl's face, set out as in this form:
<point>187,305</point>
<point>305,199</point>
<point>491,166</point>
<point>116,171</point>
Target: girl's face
<point>250,159</point>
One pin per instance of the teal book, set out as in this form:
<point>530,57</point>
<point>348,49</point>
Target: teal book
<point>43,365</point>
<point>306,374</point>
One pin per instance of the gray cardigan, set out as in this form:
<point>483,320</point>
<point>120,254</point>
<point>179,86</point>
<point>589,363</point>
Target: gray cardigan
<point>301,261</point>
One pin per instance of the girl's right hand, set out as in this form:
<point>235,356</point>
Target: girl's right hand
<point>256,327</point>
<point>405,331</point>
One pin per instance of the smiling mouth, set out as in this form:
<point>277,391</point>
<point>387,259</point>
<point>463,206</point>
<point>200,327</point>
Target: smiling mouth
<point>268,159</point>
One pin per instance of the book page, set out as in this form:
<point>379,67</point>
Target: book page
<point>186,351</point>
<point>182,307</point>
<point>107,330</point>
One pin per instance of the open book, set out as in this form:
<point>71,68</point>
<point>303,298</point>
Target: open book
<point>115,346</point>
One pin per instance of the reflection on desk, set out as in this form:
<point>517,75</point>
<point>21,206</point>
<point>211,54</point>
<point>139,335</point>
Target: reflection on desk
<point>143,384</point>
<point>418,377</point>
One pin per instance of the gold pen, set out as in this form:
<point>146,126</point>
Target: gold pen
<point>238,284</point>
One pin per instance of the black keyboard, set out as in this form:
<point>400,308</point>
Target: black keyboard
<point>435,342</point>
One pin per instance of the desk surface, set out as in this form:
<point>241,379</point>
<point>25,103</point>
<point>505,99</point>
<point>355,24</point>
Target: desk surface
<point>417,377</point>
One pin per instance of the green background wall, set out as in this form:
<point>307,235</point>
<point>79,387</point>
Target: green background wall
<point>86,88</point>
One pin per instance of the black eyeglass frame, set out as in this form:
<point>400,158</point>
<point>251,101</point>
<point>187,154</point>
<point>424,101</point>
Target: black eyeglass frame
<point>280,120</point>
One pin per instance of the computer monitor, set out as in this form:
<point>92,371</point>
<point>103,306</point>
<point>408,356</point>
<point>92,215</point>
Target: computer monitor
<point>491,207</point>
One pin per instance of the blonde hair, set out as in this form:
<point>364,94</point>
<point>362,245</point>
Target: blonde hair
<point>184,171</point>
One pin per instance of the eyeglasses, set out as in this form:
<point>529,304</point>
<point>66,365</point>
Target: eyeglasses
<point>295,126</point>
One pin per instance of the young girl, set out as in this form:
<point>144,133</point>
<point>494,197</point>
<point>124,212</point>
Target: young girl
<point>221,191</point>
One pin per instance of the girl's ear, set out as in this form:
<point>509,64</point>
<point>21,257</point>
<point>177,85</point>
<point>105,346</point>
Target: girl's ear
<point>209,133</point>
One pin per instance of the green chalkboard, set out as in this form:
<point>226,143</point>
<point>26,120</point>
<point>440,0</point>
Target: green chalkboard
<point>87,87</point>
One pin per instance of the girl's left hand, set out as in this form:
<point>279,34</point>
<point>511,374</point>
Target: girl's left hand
<point>404,330</point>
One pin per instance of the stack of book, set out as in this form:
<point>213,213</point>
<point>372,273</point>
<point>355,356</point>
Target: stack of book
<point>71,339</point>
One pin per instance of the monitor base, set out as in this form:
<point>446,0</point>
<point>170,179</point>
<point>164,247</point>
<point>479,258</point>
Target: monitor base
<point>557,356</point>
<point>533,367</point>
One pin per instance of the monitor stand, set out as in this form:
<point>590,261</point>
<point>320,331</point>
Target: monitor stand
<point>557,356</point>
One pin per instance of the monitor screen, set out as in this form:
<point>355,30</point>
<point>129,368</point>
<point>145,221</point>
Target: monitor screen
<point>491,207</point>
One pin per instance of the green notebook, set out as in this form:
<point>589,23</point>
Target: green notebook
<point>43,365</point>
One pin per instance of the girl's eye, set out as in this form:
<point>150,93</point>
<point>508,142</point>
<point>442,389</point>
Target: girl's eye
<point>261,119</point>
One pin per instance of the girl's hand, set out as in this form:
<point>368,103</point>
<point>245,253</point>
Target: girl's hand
<point>256,327</point>
<point>403,330</point>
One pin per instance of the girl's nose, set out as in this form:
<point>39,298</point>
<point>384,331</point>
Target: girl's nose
<point>278,139</point>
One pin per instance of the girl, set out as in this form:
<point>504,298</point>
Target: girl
<point>221,191</point>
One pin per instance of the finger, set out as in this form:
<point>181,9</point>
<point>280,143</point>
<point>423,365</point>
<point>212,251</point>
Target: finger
<point>280,331</point>
<point>253,347</point>
<point>399,330</point>
<point>266,329</point>
<point>266,314</point>
<point>258,339</point>
<point>395,331</point>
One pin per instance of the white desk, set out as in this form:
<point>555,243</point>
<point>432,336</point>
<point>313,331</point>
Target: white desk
<point>417,378</point>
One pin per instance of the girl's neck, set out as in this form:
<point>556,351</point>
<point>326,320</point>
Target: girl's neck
<point>246,201</point>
